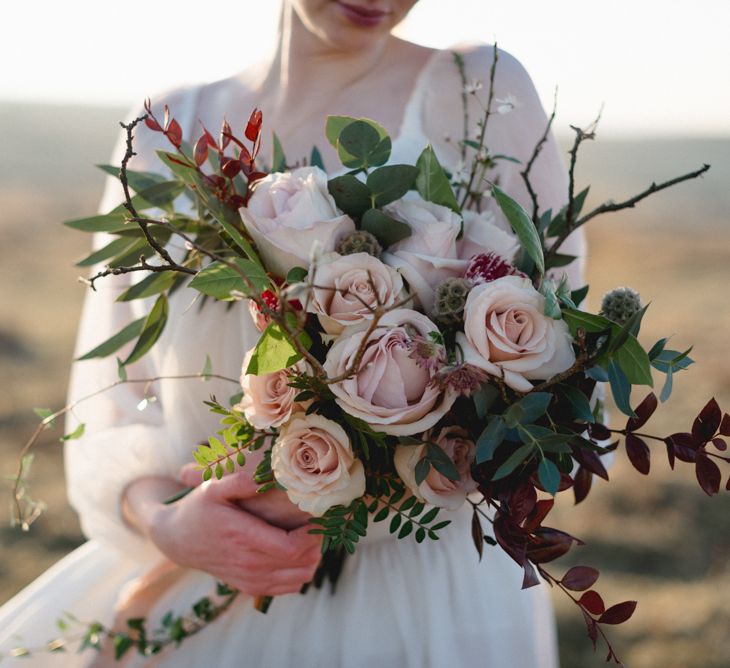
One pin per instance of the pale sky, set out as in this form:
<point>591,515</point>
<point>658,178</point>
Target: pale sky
<point>660,67</point>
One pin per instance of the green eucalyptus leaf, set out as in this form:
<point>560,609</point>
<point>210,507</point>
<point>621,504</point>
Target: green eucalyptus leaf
<point>432,182</point>
<point>523,227</point>
<point>579,404</point>
<point>620,388</point>
<point>490,439</point>
<point>528,409</point>
<point>549,476</point>
<point>634,362</point>
<point>217,279</point>
<point>113,343</point>
<point>391,182</point>
<point>153,326</point>
<point>350,194</point>
<point>151,285</point>
<point>522,453</point>
<point>386,230</point>
<point>278,161</point>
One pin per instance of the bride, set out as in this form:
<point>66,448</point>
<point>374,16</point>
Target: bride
<point>397,604</point>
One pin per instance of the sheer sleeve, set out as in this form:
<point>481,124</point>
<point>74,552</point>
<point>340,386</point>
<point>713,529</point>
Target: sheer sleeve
<point>514,133</point>
<point>121,442</point>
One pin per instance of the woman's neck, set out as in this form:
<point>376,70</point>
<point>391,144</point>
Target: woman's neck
<point>301,53</point>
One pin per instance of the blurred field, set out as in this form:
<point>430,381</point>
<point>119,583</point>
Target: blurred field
<point>658,540</point>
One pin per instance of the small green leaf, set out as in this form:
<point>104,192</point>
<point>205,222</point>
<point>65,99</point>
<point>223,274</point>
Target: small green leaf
<point>149,286</point>
<point>423,467</point>
<point>121,371</point>
<point>207,368</point>
<point>278,160</point>
<point>442,462</point>
<point>528,409</point>
<point>274,351</point>
<point>315,158</point>
<point>490,440</point>
<point>75,434</point>
<point>515,459</point>
<point>122,643</point>
<point>386,230</point>
<point>110,222</point>
<point>350,194</point>
<point>523,227</point>
<point>217,279</point>
<point>579,404</point>
<point>552,306</point>
<point>484,399</point>
<point>153,326</point>
<point>549,476</point>
<point>390,183</point>
<point>634,362</point>
<point>620,388</point>
<point>296,275</point>
<point>358,139</point>
<point>432,183</point>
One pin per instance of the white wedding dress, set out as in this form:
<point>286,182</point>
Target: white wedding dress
<point>398,604</point>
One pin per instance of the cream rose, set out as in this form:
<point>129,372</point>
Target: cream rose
<point>483,234</point>
<point>268,400</point>
<point>391,392</point>
<point>429,256</point>
<point>437,489</point>
<point>507,333</point>
<point>349,288</point>
<point>289,213</point>
<point>313,459</point>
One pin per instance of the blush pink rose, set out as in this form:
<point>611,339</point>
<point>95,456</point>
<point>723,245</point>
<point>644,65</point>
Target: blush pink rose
<point>506,333</point>
<point>290,213</point>
<point>268,400</point>
<point>429,256</point>
<point>437,489</point>
<point>348,288</point>
<point>391,392</point>
<point>313,459</point>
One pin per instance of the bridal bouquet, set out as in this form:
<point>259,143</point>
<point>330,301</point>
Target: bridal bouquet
<point>420,348</point>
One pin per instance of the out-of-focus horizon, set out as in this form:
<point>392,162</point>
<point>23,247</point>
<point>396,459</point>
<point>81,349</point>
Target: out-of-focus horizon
<point>660,69</point>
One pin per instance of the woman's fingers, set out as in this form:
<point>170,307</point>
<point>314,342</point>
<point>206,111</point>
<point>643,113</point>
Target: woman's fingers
<point>275,583</point>
<point>191,475</point>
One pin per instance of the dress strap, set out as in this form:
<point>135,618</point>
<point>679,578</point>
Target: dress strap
<point>411,123</point>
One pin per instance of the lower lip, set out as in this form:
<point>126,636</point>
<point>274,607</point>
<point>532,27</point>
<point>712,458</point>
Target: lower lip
<point>364,19</point>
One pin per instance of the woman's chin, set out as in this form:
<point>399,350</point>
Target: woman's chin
<point>275,508</point>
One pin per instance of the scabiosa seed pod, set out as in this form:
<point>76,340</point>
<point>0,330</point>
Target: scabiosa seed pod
<point>487,267</point>
<point>450,300</point>
<point>620,305</point>
<point>359,241</point>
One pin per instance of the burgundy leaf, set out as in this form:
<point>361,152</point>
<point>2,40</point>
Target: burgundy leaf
<point>174,133</point>
<point>148,105</point>
<point>618,614</point>
<point>253,127</point>
<point>245,157</point>
<point>599,432</point>
<point>670,453</point>
<point>538,514</point>
<point>638,452</point>
<point>477,534</point>
<point>201,150</point>
<point>582,484</point>
<point>152,124</point>
<point>530,578</point>
<point>685,440</point>
<point>643,412</point>
<point>510,537</point>
<point>708,475</point>
<point>707,422</point>
<point>727,485</point>
<point>720,444</point>
<point>580,578</point>
<point>592,629</point>
<point>725,425</point>
<point>236,201</point>
<point>592,602</point>
<point>590,460</point>
<point>550,544</point>
<point>231,167</point>
<point>522,502</point>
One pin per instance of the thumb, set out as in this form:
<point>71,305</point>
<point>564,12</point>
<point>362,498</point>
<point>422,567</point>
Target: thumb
<point>190,475</point>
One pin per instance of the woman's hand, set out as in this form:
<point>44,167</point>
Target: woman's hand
<point>209,531</point>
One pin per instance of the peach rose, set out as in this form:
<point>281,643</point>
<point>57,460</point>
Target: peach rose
<point>506,333</point>
<point>437,489</point>
<point>268,400</point>
<point>429,256</point>
<point>313,459</point>
<point>349,287</point>
<point>291,212</point>
<point>391,392</point>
